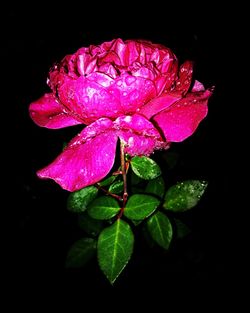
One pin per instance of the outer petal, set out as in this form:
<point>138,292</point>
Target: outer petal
<point>159,104</point>
<point>140,135</point>
<point>98,95</point>
<point>181,120</point>
<point>47,112</point>
<point>185,78</point>
<point>87,159</point>
<point>88,98</point>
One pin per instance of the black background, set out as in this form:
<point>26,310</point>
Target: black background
<point>40,229</point>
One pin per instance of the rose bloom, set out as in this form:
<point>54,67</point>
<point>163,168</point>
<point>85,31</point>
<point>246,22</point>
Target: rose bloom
<point>130,90</point>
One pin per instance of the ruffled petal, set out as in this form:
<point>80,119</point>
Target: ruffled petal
<point>139,135</point>
<point>87,97</point>
<point>86,160</point>
<point>47,112</point>
<point>98,95</point>
<point>159,104</point>
<point>181,120</point>
<point>185,78</point>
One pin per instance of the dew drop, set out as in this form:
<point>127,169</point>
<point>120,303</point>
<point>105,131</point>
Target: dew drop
<point>128,119</point>
<point>129,80</point>
<point>134,95</point>
<point>130,141</point>
<point>119,83</point>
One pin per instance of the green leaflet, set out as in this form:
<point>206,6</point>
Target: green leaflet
<point>140,206</point>
<point>78,200</point>
<point>116,187</point>
<point>114,249</point>
<point>184,195</point>
<point>103,208</point>
<point>145,167</point>
<point>160,229</point>
<point>107,181</point>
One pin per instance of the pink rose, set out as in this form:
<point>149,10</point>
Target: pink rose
<point>132,90</point>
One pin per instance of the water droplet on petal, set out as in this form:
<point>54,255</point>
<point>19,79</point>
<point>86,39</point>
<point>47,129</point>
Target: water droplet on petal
<point>119,83</point>
<point>129,80</point>
<point>127,119</point>
<point>130,141</point>
<point>134,95</point>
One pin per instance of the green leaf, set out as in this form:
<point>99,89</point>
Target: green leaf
<point>107,181</point>
<point>184,195</point>
<point>103,208</point>
<point>182,230</point>
<point>114,249</point>
<point>78,200</point>
<point>160,229</point>
<point>81,252</point>
<point>145,167</point>
<point>156,187</point>
<point>90,225</point>
<point>140,206</point>
<point>116,187</point>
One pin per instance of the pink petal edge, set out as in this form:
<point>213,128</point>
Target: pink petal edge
<point>181,120</point>
<point>47,112</point>
<point>86,160</point>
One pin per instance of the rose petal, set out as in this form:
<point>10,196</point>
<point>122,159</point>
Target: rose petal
<point>128,51</point>
<point>47,112</point>
<point>185,78</point>
<point>159,104</point>
<point>180,120</point>
<point>88,98</point>
<point>166,80</point>
<point>198,86</point>
<point>86,160</point>
<point>133,92</point>
<point>139,135</point>
<point>98,95</point>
